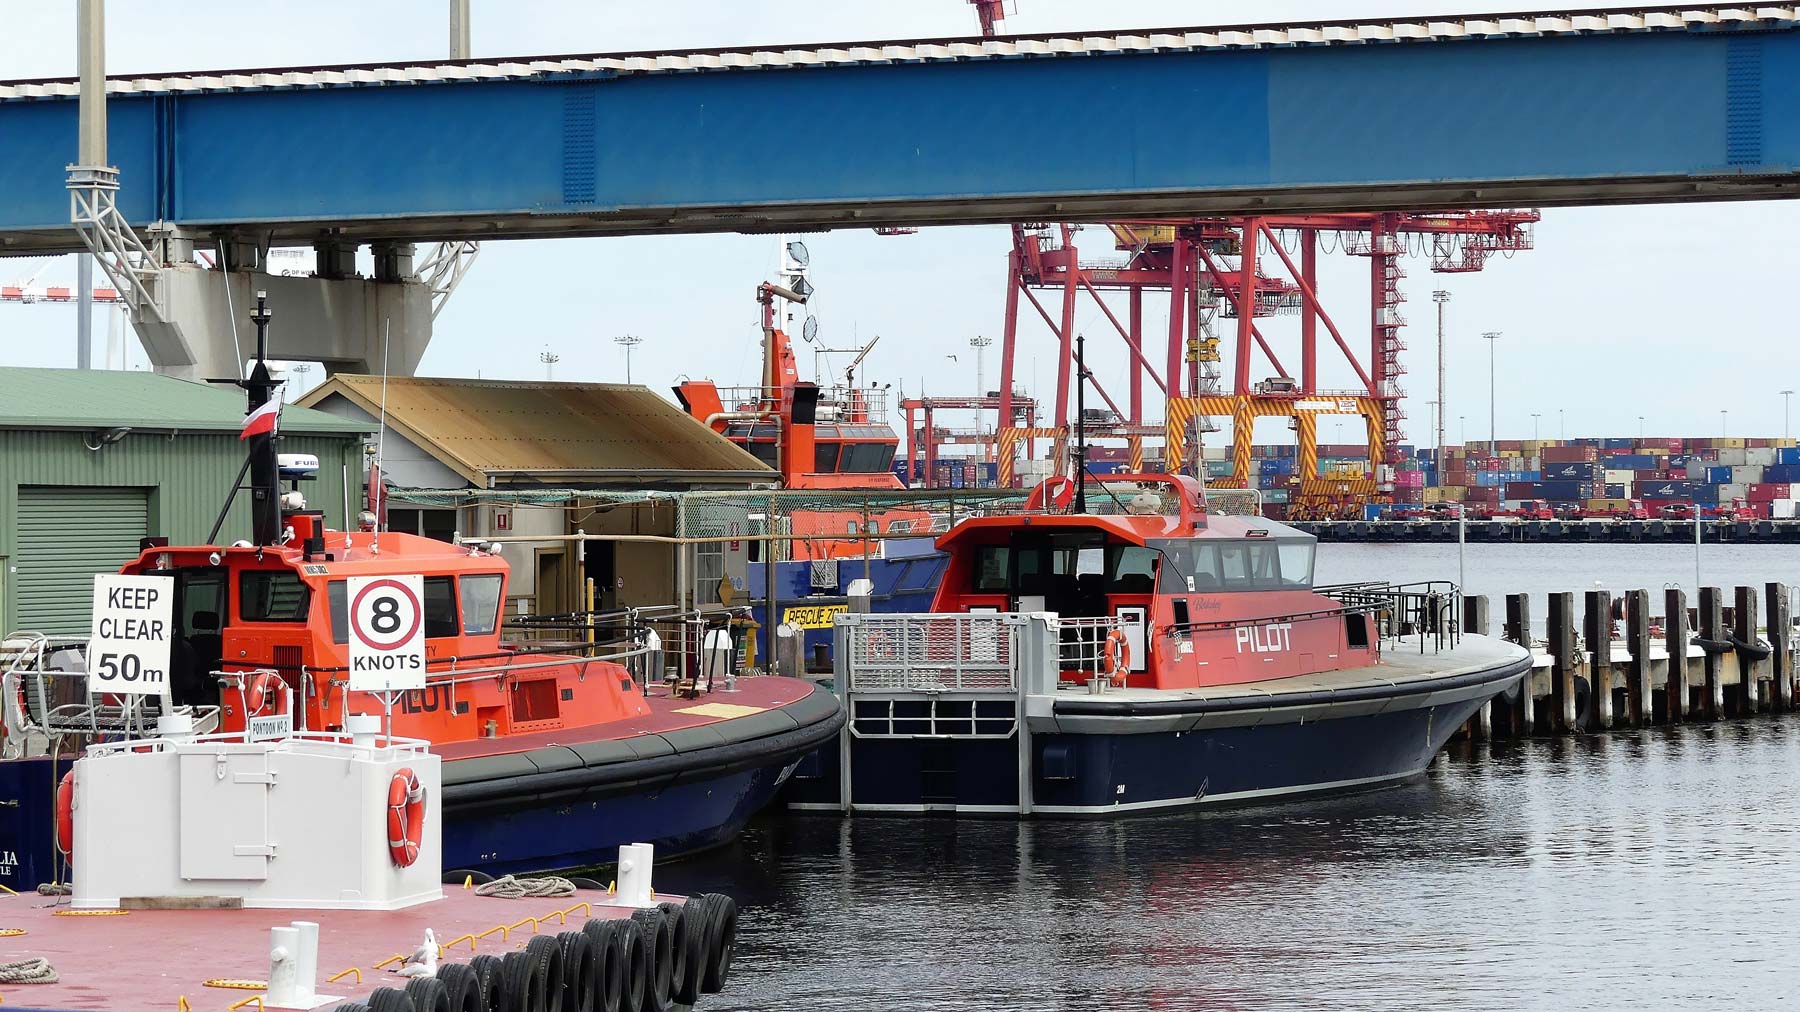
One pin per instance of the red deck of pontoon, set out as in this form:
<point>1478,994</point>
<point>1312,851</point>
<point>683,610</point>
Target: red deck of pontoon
<point>152,959</point>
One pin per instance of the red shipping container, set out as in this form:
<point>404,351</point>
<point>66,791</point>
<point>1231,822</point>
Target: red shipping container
<point>1454,479</point>
<point>1767,492</point>
<point>1521,489</point>
<point>1482,494</point>
<point>1653,505</point>
<point>1570,454</point>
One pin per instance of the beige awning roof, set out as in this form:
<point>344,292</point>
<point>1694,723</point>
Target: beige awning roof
<point>511,432</point>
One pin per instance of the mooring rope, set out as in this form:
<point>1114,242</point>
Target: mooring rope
<point>28,971</point>
<point>510,888</point>
<point>53,889</point>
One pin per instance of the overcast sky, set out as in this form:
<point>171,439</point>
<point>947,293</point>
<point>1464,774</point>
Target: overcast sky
<point>1669,312</point>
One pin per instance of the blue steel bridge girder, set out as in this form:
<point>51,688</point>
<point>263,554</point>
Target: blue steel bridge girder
<point>1668,115</point>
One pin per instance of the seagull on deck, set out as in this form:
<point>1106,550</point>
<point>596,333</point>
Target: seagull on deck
<point>423,961</point>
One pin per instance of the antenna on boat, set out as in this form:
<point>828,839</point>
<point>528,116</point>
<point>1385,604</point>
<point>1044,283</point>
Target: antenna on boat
<point>381,441</point>
<point>265,468</point>
<point>1081,378</point>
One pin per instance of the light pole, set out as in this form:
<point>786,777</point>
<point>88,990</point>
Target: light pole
<point>1562,431</point>
<point>1786,399</point>
<point>549,358</point>
<point>1440,297</point>
<point>1462,430</point>
<point>1493,338</point>
<point>1640,428</point>
<point>628,342</point>
<point>979,343</point>
<point>1534,426</point>
<point>1722,422</point>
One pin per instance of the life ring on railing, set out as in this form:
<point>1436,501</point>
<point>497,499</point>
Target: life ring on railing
<point>259,688</point>
<point>65,817</point>
<point>1058,492</point>
<point>1115,657</point>
<point>406,816</point>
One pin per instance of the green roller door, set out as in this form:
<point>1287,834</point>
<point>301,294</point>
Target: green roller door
<point>66,535</point>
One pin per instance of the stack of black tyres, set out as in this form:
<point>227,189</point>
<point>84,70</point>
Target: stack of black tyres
<point>657,958</point>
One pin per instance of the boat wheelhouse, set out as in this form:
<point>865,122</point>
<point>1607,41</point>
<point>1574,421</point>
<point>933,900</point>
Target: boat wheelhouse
<point>1147,655</point>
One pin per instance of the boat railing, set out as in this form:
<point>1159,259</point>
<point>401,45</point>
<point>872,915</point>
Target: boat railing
<point>163,743</point>
<point>45,704</point>
<point>930,652</point>
<point>1429,611</point>
<point>1081,645</point>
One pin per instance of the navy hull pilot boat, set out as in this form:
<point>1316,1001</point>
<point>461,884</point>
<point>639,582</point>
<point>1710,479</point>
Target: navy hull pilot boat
<point>551,759</point>
<point>1143,656</point>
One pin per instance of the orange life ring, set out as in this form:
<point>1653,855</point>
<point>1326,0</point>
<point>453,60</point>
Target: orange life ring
<point>1058,492</point>
<point>65,817</point>
<point>406,816</point>
<point>1115,657</point>
<point>259,688</point>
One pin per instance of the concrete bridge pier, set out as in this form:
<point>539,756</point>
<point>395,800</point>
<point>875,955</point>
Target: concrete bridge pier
<point>334,317</point>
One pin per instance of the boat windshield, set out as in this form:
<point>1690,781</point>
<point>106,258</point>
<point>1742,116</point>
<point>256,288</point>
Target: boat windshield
<point>1214,566</point>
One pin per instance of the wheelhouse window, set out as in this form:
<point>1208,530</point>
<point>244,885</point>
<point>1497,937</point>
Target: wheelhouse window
<point>480,603</point>
<point>992,573</point>
<point>825,457</point>
<point>276,595</point>
<point>866,458</point>
<point>1213,567</point>
<point>439,605</point>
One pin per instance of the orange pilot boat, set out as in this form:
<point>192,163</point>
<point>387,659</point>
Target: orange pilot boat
<point>1143,654</point>
<point>551,758</point>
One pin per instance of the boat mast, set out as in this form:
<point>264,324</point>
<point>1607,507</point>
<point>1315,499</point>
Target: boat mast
<point>265,472</point>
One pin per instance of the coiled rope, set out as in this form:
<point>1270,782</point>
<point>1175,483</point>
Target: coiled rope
<point>53,889</point>
<point>28,971</point>
<point>509,888</point>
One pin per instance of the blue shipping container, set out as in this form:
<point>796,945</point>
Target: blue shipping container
<point>1719,475</point>
<point>1788,455</point>
<point>1564,491</point>
<point>1584,471</point>
<point>1615,491</point>
<point>1668,490</point>
<point>1779,473</point>
<point>1616,444</point>
<point>1630,462</point>
<point>1374,510</point>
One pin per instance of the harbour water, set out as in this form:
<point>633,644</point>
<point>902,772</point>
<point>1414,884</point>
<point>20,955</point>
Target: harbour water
<point>1643,868</point>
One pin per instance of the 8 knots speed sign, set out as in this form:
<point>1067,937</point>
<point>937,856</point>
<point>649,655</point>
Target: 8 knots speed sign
<point>387,632</point>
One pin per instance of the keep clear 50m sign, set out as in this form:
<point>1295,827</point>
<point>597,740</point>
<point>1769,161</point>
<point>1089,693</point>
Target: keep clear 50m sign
<point>387,632</point>
<point>128,643</point>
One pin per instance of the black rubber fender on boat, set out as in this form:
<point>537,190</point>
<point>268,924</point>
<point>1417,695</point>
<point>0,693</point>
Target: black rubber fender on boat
<point>515,779</point>
<point>490,972</point>
<point>515,982</point>
<point>350,1006</point>
<point>578,971</point>
<point>724,943</point>
<point>428,994</point>
<point>636,963</point>
<point>659,948</point>
<point>462,987</point>
<point>386,999</point>
<point>610,965</point>
<point>1754,651</point>
<point>1712,646</point>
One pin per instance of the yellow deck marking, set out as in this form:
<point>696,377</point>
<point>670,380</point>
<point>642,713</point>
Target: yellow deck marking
<point>237,984</point>
<point>725,710</point>
<point>92,913</point>
<point>10,932</point>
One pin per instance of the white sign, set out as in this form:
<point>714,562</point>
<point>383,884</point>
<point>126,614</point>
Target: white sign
<point>387,632</point>
<point>128,644</point>
<point>270,727</point>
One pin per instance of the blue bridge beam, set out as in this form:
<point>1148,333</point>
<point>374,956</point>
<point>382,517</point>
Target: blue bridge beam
<point>949,133</point>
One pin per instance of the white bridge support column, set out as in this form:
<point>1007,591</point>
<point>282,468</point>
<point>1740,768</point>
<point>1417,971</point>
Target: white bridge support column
<point>338,322</point>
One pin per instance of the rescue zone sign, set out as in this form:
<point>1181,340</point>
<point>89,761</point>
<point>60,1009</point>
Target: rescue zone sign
<point>813,616</point>
<point>387,632</point>
<point>128,643</point>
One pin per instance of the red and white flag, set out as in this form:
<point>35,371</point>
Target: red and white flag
<point>261,421</point>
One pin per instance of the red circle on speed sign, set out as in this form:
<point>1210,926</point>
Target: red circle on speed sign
<point>406,630</point>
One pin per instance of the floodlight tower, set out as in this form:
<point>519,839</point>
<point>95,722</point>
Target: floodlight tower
<point>628,342</point>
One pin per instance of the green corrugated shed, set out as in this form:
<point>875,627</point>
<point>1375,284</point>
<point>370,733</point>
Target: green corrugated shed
<point>169,475</point>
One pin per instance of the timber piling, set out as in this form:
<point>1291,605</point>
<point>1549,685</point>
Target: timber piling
<point>1631,666</point>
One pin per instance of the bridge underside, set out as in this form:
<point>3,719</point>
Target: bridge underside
<point>1680,105</point>
<point>819,217</point>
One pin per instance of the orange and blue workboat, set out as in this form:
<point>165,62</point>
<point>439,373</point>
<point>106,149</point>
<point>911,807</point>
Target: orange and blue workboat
<point>552,757</point>
<point>1143,655</point>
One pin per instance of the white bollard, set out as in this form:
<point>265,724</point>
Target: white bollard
<point>364,728</point>
<point>306,960</point>
<point>177,726</point>
<point>635,864</point>
<point>284,977</point>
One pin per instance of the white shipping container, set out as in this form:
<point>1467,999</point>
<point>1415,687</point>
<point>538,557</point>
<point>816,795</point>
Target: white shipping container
<point>1731,458</point>
<point>1782,509</point>
<point>1761,457</point>
<point>1216,452</point>
<point>1749,474</point>
<point>1620,477</point>
<point>1733,491</point>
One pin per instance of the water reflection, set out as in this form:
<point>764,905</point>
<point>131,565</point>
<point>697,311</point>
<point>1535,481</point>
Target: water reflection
<point>1648,868</point>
